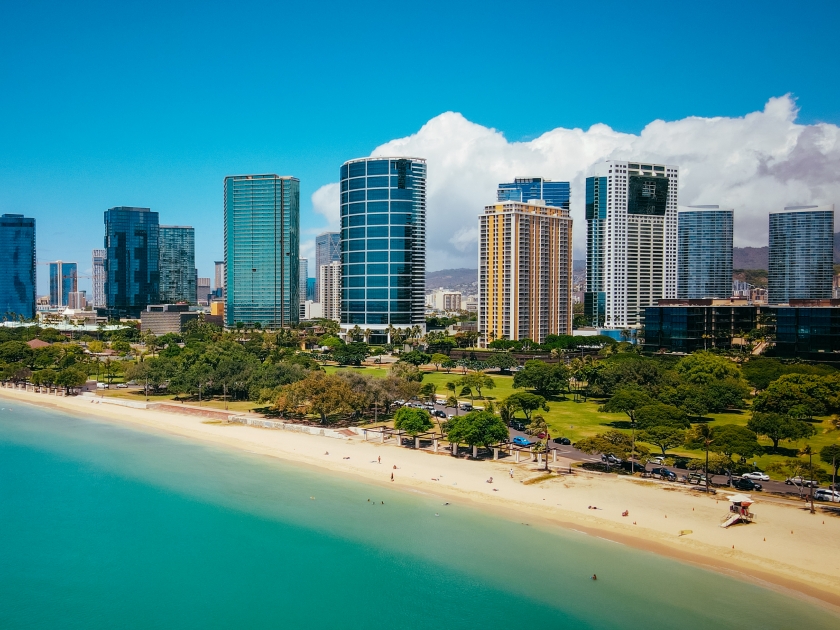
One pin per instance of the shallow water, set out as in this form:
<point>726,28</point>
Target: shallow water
<point>103,526</point>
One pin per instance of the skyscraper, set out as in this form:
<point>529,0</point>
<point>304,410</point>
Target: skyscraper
<point>132,262</point>
<point>331,290</point>
<point>220,274</point>
<point>64,280</point>
<point>262,227</point>
<point>704,252</point>
<point>631,241</point>
<point>177,265</point>
<point>383,244</point>
<point>525,189</point>
<point>524,271</point>
<point>801,253</point>
<point>327,250</point>
<point>17,280</point>
<point>98,279</point>
<point>303,270</point>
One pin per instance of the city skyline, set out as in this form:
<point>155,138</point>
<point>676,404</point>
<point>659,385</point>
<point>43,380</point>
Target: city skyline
<point>168,149</point>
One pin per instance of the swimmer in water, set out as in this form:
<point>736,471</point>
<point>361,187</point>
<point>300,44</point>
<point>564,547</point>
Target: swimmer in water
<point>594,577</point>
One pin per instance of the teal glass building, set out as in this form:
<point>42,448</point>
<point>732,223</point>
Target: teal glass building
<point>132,251</point>
<point>801,261</point>
<point>177,264</point>
<point>383,244</point>
<point>64,280</point>
<point>17,280</point>
<point>262,240</point>
<point>525,189</point>
<point>704,252</point>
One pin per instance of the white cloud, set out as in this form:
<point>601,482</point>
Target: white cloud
<point>759,162</point>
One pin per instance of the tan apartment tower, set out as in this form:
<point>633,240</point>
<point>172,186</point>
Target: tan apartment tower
<point>524,272</point>
<point>330,290</point>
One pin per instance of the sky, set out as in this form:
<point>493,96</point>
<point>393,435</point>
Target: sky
<point>153,104</point>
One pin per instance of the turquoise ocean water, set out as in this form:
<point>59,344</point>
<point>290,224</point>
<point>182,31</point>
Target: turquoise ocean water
<point>107,527</point>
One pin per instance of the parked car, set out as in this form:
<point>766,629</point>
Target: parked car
<point>801,481</point>
<point>744,484</point>
<point>122,386</point>
<point>102,386</point>
<point>519,426</point>
<point>439,414</point>
<point>659,461</point>
<point>466,406</point>
<point>522,441</point>
<point>609,458</point>
<point>562,440</point>
<point>756,475</point>
<point>823,494</point>
<point>697,478</point>
<point>664,473</point>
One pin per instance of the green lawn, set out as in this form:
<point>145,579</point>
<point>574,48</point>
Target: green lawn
<point>215,403</point>
<point>577,419</point>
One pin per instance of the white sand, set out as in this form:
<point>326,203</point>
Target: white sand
<point>786,546</point>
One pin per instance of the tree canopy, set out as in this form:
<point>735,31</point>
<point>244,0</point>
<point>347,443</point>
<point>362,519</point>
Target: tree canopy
<point>412,421</point>
<point>477,428</point>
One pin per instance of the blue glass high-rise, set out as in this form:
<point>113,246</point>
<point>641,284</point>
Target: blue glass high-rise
<point>801,257</point>
<point>64,280</point>
<point>525,189</point>
<point>262,228</point>
<point>177,264</point>
<point>17,281</point>
<point>383,244</point>
<point>132,264</point>
<point>704,252</point>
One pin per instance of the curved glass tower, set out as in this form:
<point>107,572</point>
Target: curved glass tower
<point>383,245</point>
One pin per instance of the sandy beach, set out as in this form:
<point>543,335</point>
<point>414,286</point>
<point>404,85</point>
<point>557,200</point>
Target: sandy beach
<point>786,548</point>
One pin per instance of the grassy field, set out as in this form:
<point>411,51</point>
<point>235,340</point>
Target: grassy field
<point>216,403</point>
<point>578,419</point>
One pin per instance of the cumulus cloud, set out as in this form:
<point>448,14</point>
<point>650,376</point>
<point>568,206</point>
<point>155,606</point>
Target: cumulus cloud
<point>756,163</point>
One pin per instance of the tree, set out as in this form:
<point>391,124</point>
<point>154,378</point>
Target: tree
<point>412,421</point>
<point>527,403</point>
<point>352,353</point>
<point>112,369</point>
<point>448,365</point>
<point>545,379</point>
<point>831,455</point>
<point>613,443</point>
<point>627,400</point>
<point>477,381</point>
<point>702,368</point>
<point>323,394</point>
<point>477,428</point>
<point>664,436</point>
<point>701,436</point>
<point>416,358</point>
<point>502,360</point>
<point>437,359</point>
<point>96,347</point>
<point>658,414</point>
<point>730,439</point>
<point>537,425</point>
<point>777,427</point>
<point>407,371</point>
<point>451,401</point>
<point>798,395</point>
<point>428,390</point>
<point>71,377</point>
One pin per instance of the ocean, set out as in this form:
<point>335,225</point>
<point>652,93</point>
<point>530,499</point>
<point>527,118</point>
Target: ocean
<point>103,526</point>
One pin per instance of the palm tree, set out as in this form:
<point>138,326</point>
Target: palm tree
<point>704,432</point>
<point>368,332</point>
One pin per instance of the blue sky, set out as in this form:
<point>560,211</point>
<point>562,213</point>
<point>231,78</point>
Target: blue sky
<point>152,104</point>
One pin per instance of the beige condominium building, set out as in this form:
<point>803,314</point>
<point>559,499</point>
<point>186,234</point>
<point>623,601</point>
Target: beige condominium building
<point>330,290</point>
<point>524,271</point>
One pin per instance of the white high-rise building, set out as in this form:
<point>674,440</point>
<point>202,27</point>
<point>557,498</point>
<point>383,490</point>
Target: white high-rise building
<point>330,290</point>
<point>631,240</point>
<point>98,278</point>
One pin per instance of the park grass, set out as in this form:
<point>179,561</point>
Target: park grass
<point>377,372</point>
<point>214,403</point>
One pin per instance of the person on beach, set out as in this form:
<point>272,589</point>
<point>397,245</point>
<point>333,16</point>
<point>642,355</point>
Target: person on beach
<point>511,473</point>
<point>379,460</point>
<point>392,476</point>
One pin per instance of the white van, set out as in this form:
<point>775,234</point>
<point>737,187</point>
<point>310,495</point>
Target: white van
<point>102,386</point>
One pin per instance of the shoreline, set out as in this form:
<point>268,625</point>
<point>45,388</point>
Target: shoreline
<point>801,558</point>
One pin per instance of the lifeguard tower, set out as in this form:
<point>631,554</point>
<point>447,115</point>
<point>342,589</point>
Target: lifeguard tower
<point>739,510</point>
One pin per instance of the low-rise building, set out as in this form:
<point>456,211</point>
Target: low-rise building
<point>445,301</point>
<point>160,319</point>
